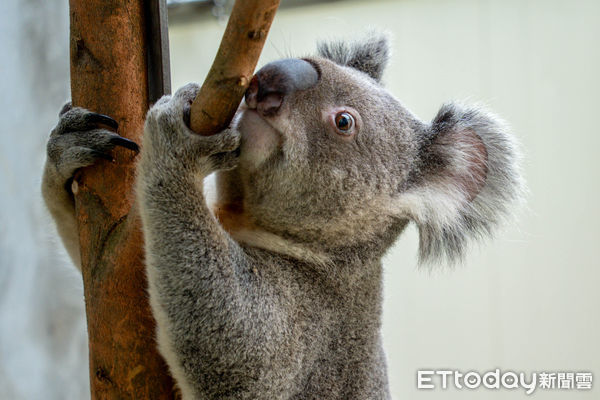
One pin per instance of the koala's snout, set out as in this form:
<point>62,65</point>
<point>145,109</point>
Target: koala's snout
<point>273,82</point>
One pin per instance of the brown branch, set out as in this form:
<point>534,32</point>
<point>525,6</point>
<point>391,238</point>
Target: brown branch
<point>109,75</point>
<point>230,74</point>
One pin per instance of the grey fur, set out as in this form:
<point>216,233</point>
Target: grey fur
<point>286,304</point>
<point>369,55</point>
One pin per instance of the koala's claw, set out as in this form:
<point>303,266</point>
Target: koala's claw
<point>187,114</point>
<point>95,118</point>
<point>68,105</point>
<point>82,137</point>
<point>124,142</point>
<point>79,119</point>
<point>99,154</point>
<point>90,117</point>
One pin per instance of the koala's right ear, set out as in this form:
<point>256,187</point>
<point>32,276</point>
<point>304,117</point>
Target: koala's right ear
<point>466,181</point>
<point>369,55</point>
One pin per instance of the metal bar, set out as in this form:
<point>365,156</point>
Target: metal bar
<point>159,71</point>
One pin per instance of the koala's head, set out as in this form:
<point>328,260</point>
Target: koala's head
<point>329,157</point>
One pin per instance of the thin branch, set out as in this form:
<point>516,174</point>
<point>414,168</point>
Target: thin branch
<point>230,74</point>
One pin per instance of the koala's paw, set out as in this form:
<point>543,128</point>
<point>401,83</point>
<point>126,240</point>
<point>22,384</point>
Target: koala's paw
<point>169,141</point>
<point>80,138</point>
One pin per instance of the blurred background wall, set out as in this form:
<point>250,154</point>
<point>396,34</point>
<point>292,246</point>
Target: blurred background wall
<point>526,301</point>
<point>43,342</point>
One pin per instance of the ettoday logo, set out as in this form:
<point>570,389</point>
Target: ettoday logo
<point>497,379</point>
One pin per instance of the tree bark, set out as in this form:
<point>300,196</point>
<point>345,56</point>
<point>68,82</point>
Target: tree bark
<point>230,73</point>
<point>109,75</point>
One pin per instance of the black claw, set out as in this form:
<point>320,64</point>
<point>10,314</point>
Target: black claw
<point>105,156</point>
<point>93,117</point>
<point>65,108</point>
<point>187,113</point>
<point>128,144</point>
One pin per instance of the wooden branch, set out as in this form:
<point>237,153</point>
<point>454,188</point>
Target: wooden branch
<point>230,74</point>
<point>109,75</point>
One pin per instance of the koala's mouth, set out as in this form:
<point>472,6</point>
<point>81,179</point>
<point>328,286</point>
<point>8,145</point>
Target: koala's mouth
<point>260,139</point>
<point>252,122</point>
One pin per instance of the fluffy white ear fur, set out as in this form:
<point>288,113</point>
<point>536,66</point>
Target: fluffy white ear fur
<point>467,182</point>
<point>370,54</point>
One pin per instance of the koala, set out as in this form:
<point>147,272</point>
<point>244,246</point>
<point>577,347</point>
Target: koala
<point>275,290</point>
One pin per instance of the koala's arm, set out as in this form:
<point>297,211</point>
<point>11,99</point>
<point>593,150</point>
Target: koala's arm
<point>59,202</point>
<point>199,277</point>
<point>80,138</point>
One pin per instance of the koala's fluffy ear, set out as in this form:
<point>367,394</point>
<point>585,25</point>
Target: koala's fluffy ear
<point>466,182</point>
<point>369,55</point>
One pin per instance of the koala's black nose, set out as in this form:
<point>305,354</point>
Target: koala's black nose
<point>276,80</point>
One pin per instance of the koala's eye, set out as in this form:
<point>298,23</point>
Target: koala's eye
<point>344,122</point>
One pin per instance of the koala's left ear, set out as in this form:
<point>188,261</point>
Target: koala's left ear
<point>369,55</point>
<point>466,181</point>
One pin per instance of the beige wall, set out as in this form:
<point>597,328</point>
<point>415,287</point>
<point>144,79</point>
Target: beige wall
<point>528,300</point>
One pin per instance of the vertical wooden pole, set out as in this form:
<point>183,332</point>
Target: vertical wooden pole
<point>110,70</point>
<point>109,75</point>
